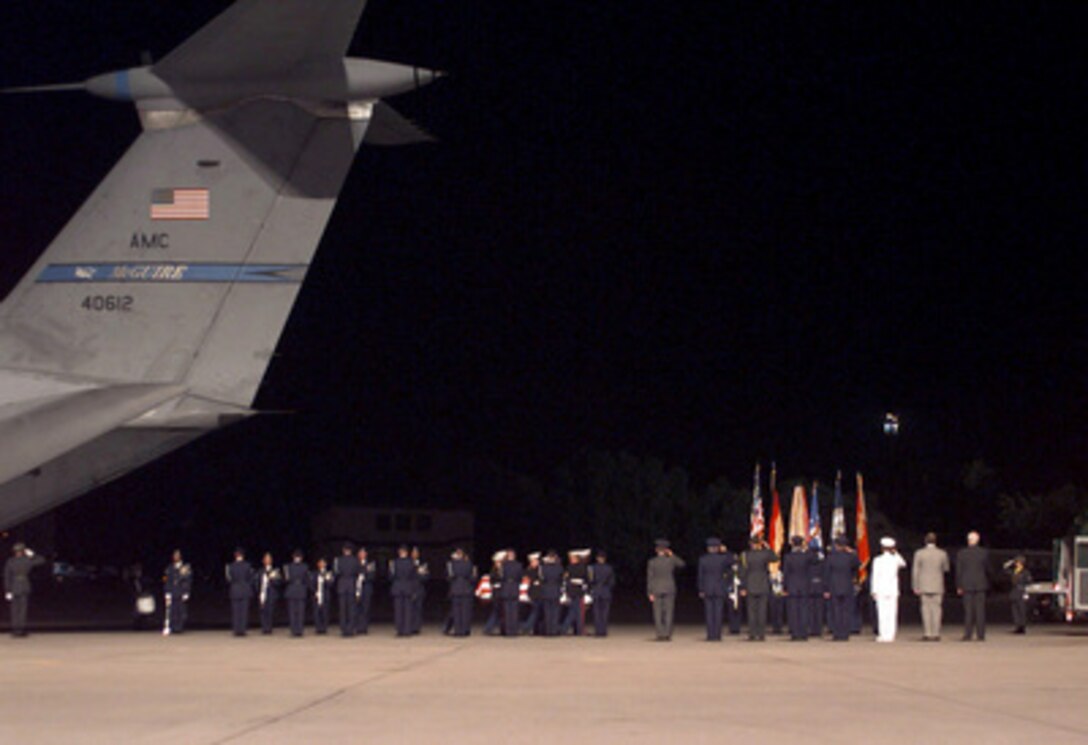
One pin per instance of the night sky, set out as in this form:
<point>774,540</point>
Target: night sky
<point>707,232</point>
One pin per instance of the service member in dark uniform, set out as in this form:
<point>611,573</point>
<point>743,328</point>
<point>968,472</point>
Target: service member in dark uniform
<point>575,587</point>
<point>461,575</point>
<point>661,587</point>
<point>840,572</point>
<point>511,571</point>
<point>322,583</point>
<point>795,574</point>
<point>532,623</point>
<point>815,601</point>
<point>1020,578</point>
<point>710,580</point>
<point>972,582</point>
<point>419,590</point>
<point>732,585</point>
<point>177,583</point>
<point>404,577</point>
<point>296,577</point>
<point>364,591</point>
<point>601,581</point>
<point>755,563</point>
<point>17,585</point>
<point>346,568</point>
<point>490,592</point>
<point>269,582</point>
<point>551,589</point>
<point>240,578</point>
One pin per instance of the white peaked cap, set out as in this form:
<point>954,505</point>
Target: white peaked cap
<point>498,555</point>
<point>535,556</point>
<point>887,542</point>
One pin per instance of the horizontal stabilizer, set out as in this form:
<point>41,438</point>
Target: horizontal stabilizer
<point>37,434</point>
<point>388,127</point>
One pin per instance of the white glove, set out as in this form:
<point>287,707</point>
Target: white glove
<point>185,598</point>
<point>28,553</point>
<point>7,596</point>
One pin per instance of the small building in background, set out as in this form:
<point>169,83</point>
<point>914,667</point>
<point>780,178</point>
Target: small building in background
<point>381,529</point>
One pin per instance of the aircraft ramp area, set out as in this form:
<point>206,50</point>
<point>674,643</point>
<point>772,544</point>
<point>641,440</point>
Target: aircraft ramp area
<point>207,687</point>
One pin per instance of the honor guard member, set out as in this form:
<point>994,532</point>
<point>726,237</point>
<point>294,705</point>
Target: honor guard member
<point>1020,578</point>
<point>815,600</point>
<point>493,581</point>
<point>419,590</point>
<point>840,570</point>
<point>269,581</point>
<point>532,578</point>
<point>551,589</point>
<point>364,591</point>
<point>756,577</point>
<point>884,585</point>
<point>177,583</point>
<point>403,575</point>
<point>575,584</point>
<point>733,585</point>
<point>776,601</point>
<point>795,572</point>
<point>322,581</point>
<point>601,582</point>
<point>972,582</point>
<point>511,571</point>
<point>461,575</point>
<point>661,587</point>
<point>240,578</point>
<point>710,580</point>
<point>17,585</point>
<point>296,577</point>
<point>346,568</point>
<point>928,568</point>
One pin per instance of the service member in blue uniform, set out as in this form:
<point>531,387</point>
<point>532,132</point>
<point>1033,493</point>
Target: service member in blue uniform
<point>732,585</point>
<point>269,583</point>
<point>17,585</point>
<point>346,568</point>
<point>296,578</point>
<point>755,563</point>
<point>575,585</point>
<point>795,577</point>
<point>461,575</point>
<point>816,601</point>
<point>1019,579</point>
<point>551,589</point>
<point>840,572</point>
<point>710,579</point>
<point>364,591</point>
<point>322,583</point>
<point>177,583</point>
<point>403,575</point>
<point>494,617</point>
<point>532,622</point>
<point>601,582</point>
<point>511,571</point>
<point>240,578</point>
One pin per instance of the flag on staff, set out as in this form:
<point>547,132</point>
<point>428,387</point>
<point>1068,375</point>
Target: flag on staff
<point>838,514</point>
<point>815,528</point>
<point>798,513</point>
<point>863,534</point>
<point>777,535</point>
<point>756,530</point>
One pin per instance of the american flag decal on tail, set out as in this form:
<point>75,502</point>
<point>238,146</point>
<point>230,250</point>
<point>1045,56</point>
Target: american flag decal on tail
<point>180,204</point>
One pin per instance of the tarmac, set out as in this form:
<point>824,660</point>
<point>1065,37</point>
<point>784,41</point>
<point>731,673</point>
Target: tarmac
<point>207,687</point>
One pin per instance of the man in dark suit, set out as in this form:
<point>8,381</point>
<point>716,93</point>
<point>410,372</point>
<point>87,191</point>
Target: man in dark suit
<point>17,585</point>
<point>601,581</point>
<point>972,582</point>
<point>296,577</point>
<point>462,578</point>
<point>661,587</point>
<point>710,580</point>
<point>240,579</point>
<point>404,576</point>
<point>346,568</point>
<point>796,568</point>
<point>512,572</point>
<point>840,570</point>
<point>755,563</point>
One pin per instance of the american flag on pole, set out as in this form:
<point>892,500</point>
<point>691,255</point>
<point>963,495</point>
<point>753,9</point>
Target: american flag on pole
<point>838,514</point>
<point>863,534</point>
<point>777,533</point>
<point>758,526</point>
<point>815,528</point>
<point>180,204</point>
